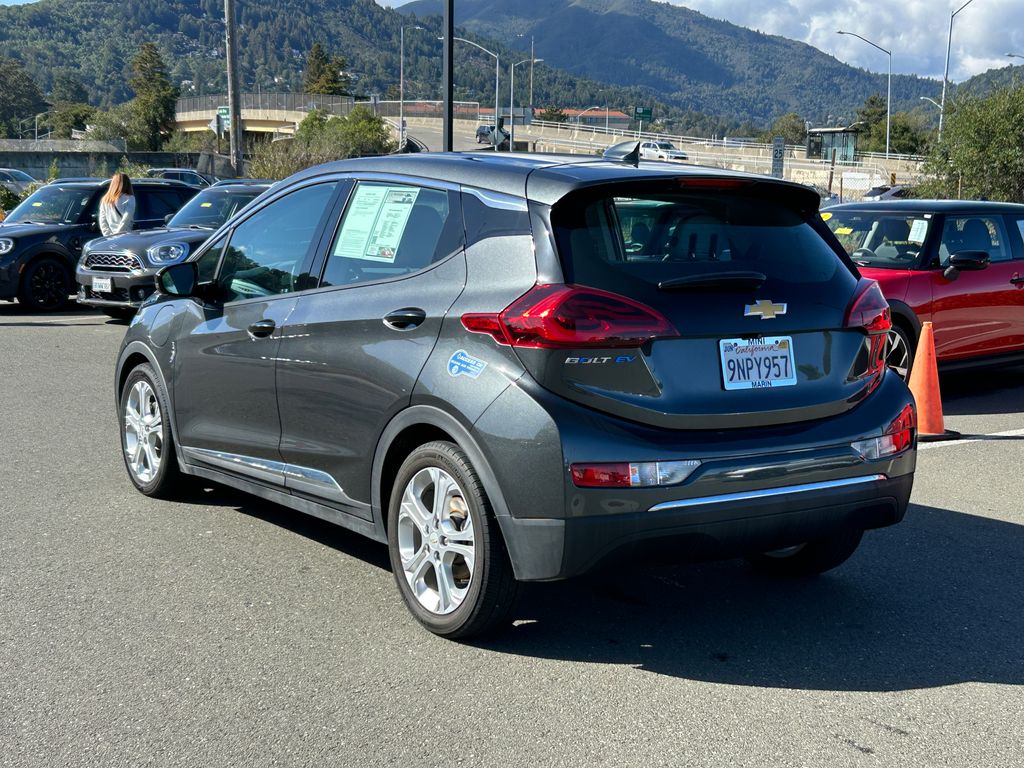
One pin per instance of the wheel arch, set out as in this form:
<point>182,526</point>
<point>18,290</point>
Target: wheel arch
<point>903,315</point>
<point>411,428</point>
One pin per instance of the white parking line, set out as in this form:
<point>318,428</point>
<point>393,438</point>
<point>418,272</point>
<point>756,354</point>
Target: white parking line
<point>972,439</point>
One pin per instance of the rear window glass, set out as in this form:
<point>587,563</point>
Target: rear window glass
<point>668,236</point>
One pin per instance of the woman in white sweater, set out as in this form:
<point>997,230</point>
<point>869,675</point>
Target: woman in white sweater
<point>117,208</point>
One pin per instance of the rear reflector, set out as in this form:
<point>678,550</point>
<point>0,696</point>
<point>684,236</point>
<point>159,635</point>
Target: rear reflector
<point>571,317</point>
<point>647,474</point>
<point>897,438</point>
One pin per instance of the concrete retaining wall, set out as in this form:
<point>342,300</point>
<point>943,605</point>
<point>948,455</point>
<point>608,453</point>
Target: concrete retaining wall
<point>37,163</point>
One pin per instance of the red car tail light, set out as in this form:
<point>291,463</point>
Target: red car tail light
<point>870,312</point>
<point>898,436</point>
<point>571,317</point>
<point>639,474</point>
<point>869,309</point>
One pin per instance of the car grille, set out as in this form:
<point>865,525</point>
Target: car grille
<point>118,294</point>
<point>112,262</point>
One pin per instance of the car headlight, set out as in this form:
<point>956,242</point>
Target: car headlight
<point>6,245</point>
<point>167,252</point>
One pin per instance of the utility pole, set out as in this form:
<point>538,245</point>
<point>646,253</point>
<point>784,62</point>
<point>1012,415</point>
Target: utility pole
<point>448,75</point>
<point>234,112</point>
<point>533,60</point>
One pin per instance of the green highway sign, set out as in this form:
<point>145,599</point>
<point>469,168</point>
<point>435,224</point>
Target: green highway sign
<point>642,113</point>
<point>223,112</point>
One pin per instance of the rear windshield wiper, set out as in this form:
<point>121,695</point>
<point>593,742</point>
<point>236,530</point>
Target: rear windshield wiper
<point>735,280</point>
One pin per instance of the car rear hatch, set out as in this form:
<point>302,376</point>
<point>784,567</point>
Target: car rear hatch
<point>699,303</point>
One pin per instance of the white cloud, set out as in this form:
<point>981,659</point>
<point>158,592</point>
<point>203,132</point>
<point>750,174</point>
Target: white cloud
<point>914,30</point>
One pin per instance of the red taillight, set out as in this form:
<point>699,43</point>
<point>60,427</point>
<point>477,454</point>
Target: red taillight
<point>870,312</point>
<point>600,475</point>
<point>898,437</point>
<point>571,317</point>
<point>869,309</point>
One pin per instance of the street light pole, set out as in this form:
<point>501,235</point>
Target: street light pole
<point>888,97</point>
<point>945,74</point>
<point>497,72</point>
<point>511,99</point>
<point>401,85</point>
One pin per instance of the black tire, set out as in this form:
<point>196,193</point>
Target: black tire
<point>810,558</point>
<point>899,352</point>
<point>46,285</point>
<point>167,481</point>
<point>491,587</point>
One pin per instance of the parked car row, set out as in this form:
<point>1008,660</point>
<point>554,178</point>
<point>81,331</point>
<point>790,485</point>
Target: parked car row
<point>42,240</point>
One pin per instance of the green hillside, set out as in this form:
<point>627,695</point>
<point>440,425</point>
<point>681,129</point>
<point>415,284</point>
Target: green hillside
<point>691,60</point>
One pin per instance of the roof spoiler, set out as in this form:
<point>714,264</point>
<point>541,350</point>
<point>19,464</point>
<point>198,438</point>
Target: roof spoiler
<point>633,158</point>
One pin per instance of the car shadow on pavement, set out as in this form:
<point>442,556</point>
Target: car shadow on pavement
<point>993,391</point>
<point>936,600</point>
<point>334,536</point>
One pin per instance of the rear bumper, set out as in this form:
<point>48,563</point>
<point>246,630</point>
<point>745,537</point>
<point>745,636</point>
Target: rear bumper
<point>711,527</point>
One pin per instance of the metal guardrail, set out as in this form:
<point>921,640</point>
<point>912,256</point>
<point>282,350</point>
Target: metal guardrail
<point>62,145</point>
<point>284,102</point>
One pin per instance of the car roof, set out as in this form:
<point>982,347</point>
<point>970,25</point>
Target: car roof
<point>550,176</point>
<point>931,206</point>
<point>243,183</point>
<point>94,183</point>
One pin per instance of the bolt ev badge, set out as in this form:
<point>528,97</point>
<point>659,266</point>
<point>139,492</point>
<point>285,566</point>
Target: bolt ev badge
<point>765,309</point>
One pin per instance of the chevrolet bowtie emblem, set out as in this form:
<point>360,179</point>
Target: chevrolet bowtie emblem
<point>765,309</point>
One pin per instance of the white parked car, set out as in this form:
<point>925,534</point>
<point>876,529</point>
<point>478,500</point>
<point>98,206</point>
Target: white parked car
<point>661,150</point>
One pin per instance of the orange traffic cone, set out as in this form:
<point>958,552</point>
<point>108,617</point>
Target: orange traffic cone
<point>924,385</point>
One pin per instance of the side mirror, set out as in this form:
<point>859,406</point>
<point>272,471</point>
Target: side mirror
<point>178,279</point>
<point>965,261</point>
<point>969,261</point>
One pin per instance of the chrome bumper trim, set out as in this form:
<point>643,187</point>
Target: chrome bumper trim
<point>767,493</point>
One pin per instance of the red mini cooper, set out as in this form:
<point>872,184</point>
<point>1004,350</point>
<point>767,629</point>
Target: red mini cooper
<point>957,263</point>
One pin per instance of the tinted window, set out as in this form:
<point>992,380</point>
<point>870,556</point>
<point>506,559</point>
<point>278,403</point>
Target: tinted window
<point>155,204</point>
<point>488,214</point>
<point>210,259</point>
<point>267,250</point>
<point>5,177</point>
<point>390,230</point>
<point>664,237</point>
<point>973,233</point>
<point>55,204</point>
<point>882,240</point>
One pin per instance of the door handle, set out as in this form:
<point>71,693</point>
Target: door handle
<point>405,319</point>
<point>1017,280</point>
<point>262,328</point>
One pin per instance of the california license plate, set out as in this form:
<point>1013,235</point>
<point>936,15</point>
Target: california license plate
<point>102,284</point>
<point>757,363</point>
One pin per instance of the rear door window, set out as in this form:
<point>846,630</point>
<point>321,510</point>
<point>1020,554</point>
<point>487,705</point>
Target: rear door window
<point>390,230</point>
<point>156,204</point>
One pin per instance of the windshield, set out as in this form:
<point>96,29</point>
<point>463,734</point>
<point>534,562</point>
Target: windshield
<point>53,204</point>
<point>21,176</point>
<point>665,145</point>
<point>882,240</point>
<point>212,207</point>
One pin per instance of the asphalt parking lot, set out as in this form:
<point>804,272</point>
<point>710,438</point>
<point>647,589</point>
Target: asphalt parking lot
<point>229,631</point>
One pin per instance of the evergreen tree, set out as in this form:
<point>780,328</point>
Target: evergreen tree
<point>20,98</point>
<point>155,97</point>
<point>552,114</point>
<point>325,74</point>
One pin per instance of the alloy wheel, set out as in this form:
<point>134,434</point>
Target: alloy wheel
<point>48,285</point>
<point>897,353</point>
<point>143,432</point>
<point>436,540</point>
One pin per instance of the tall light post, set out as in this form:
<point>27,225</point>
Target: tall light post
<point>579,117</point>
<point>511,99</point>
<point>497,72</point>
<point>945,73</point>
<point>401,84</point>
<point>888,97</point>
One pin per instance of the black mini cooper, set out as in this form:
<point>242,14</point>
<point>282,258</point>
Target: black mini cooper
<point>41,239</point>
<point>515,367</point>
<point>116,273</point>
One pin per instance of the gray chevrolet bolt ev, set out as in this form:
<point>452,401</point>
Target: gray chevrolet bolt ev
<point>514,367</point>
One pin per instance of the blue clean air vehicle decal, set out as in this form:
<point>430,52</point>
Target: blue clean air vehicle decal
<point>464,364</point>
